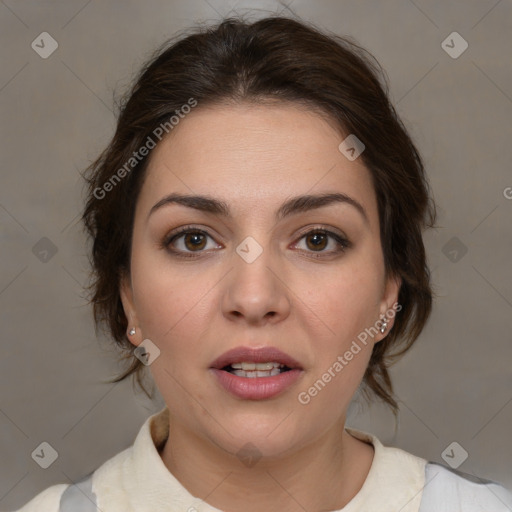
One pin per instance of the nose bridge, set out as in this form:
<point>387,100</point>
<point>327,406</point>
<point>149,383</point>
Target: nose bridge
<point>255,289</point>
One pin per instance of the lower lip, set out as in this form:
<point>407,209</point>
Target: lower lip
<point>257,388</point>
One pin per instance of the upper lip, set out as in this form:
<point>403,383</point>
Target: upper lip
<point>254,355</point>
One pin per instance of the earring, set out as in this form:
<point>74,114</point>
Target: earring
<point>384,326</point>
<point>132,331</point>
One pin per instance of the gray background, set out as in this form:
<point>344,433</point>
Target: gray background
<point>455,385</point>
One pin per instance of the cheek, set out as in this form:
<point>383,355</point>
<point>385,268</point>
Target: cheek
<point>340,363</point>
<point>170,304</point>
<point>346,300</point>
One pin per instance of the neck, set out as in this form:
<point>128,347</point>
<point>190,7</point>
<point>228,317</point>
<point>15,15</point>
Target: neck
<point>324,475</point>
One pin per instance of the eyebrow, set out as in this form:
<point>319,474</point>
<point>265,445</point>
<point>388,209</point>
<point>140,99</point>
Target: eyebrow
<point>293,206</point>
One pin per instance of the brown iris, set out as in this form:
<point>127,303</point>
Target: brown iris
<point>195,240</point>
<point>320,240</point>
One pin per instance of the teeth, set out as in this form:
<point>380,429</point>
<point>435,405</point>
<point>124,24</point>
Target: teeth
<point>255,366</point>
<point>253,370</point>
<point>257,373</point>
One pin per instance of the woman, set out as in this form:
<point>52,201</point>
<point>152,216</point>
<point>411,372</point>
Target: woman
<point>257,242</point>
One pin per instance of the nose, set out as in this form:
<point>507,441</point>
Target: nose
<point>256,292</point>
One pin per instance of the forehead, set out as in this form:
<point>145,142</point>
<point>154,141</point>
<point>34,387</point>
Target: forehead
<point>253,157</point>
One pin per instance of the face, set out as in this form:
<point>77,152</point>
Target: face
<point>306,282</point>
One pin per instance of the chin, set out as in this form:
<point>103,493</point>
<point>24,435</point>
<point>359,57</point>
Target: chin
<point>267,435</point>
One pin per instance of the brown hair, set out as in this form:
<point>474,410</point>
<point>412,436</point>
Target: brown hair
<point>275,58</point>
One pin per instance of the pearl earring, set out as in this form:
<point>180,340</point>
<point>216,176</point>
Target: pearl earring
<point>384,326</point>
<point>132,331</point>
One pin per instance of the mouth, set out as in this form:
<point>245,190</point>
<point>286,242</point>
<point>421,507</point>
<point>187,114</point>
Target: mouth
<point>251,370</point>
<point>247,362</point>
<point>256,374</point>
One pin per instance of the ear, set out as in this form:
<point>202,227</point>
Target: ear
<point>126,293</point>
<point>389,306</point>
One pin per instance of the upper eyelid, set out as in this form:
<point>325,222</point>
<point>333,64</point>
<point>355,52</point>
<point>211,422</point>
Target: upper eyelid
<point>304,231</point>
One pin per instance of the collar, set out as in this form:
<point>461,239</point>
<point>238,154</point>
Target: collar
<point>143,483</point>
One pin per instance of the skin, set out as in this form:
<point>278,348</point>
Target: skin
<point>310,303</point>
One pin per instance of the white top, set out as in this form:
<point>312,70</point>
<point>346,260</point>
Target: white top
<point>136,480</point>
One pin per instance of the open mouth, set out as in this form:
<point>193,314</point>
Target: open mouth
<point>253,370</point>
<point>256,373</point>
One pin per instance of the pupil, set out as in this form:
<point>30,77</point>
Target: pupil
<point>195,237</point>
<point>319,243</point>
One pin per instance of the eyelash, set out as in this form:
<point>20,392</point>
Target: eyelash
<point>172,237</point>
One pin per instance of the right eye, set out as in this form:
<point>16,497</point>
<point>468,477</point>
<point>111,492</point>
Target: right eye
<point>186,241</point>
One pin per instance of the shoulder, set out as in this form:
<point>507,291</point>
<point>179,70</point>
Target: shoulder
<point>46,501</point>
<point>115,482</point>
<point>447,489</point>
<point>65,498</point>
